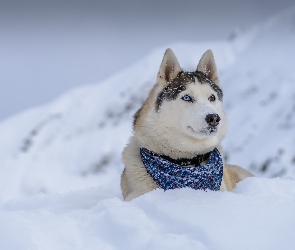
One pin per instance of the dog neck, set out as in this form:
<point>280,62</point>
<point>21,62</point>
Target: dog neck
<point>196,160</point>
<point>163,147</point>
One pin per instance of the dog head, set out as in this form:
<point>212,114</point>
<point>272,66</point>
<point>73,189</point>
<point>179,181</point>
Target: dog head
<point>183,114</point>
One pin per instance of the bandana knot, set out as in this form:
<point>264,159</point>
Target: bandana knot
<point>169,175</point>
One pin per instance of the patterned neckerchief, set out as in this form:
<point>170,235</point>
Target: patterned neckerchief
<point>169,175</point>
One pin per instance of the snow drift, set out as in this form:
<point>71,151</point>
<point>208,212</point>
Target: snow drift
<point>60,164</point>
<point>258,215</point>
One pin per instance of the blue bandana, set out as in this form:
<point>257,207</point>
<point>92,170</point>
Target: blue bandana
<point>169,175</point>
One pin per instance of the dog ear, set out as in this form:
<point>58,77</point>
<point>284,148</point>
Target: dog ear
<point>208,67</point>
<point>169,67</point>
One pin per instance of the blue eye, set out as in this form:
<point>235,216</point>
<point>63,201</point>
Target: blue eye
<point>187,98</point>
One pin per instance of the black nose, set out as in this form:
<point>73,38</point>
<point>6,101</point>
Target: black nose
<point>213,119</point>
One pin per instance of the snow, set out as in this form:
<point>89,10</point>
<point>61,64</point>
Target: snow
<point>261,107</point>
<point>259,214</point>
<point>60,164</point>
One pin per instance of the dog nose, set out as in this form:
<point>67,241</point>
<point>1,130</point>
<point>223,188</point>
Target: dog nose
<point>213,119</point>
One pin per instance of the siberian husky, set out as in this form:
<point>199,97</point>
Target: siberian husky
<point>181,119</point>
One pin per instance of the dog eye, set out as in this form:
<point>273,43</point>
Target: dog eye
<point>212,98</point>
<point>187,98</point>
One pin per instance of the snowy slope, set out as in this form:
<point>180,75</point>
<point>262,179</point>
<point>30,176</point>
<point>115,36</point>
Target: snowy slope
<point>76,141</point>
<point>260,100</point>
<point>60,164</point>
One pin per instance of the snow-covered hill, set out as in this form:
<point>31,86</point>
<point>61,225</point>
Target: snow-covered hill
<point>260,100</point>
<point>61,162</point>
<point>76,141</point>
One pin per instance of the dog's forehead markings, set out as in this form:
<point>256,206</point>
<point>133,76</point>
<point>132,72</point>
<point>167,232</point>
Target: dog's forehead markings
<point>174,88</point>
<point>202,78</point>
<point>179,84</point>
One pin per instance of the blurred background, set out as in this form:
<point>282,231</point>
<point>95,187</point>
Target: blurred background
<point>47,47</point>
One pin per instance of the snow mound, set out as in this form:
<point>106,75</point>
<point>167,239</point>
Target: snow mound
<point>259,214</point>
